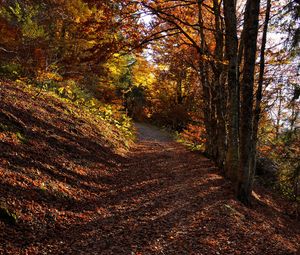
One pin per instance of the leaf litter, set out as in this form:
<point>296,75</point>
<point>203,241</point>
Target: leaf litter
<point>73,194</point>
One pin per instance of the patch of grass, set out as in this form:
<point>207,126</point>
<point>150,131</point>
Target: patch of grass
<point>22,138</point>
<point>191,145</point>
<point>8,216</point>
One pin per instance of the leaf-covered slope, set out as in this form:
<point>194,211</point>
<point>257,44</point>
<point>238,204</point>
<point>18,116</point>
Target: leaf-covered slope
<point>53,155</point>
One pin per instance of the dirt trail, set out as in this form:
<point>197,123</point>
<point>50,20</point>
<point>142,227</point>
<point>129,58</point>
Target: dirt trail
<point>161,200</point>
<point>146,132</point>
<point>168,200</point>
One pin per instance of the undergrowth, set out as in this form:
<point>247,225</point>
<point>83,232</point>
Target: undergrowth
<point>79,102</point>
<point>193,137</point>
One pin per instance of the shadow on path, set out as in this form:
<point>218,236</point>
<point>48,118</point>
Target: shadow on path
<point>168,200</point>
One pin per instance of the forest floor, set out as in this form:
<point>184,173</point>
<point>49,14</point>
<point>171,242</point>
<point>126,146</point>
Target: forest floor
<point>74,195</point>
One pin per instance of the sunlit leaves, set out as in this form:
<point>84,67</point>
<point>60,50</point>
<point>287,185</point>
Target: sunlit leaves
<point>26,16</point>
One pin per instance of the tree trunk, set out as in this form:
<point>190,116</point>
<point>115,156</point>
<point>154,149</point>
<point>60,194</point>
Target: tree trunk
<point>207,112</point>
<point>244,186</point>
<point>231,45</point>
<point>219,87</point>
<point>206,87</point>
<point>259,95</point>
<point>278,117</point>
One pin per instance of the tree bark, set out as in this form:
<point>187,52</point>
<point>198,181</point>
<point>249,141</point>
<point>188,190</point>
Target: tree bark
<point>257,111</point>
<point>231,45</point>
<point>206,87</point>
<point>244,184</point>
<point>219,87</point>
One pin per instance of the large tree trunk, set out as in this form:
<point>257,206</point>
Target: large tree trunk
<point>257,111</point>
<point>244,186</point>
<point>231,45</point>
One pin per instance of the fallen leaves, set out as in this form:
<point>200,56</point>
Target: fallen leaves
<point>74,195</point>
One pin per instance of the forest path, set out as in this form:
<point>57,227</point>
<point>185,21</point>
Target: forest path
<point>160,202</point>
<point>147,132</point>
<point>168,200</point>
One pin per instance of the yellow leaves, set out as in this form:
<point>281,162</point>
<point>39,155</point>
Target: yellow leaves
<point>143,73</point>
<point>99,15</point>
<point>117,66</point>
<point>77,19</point>
<point>79,10</point>
<point>129,69</point>
<point>46,76</point>
<point>163,67</point>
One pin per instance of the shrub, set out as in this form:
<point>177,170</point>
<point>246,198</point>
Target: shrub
<point>11,71</point>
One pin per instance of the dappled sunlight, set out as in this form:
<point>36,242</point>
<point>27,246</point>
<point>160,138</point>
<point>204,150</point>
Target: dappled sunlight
<point>164,205</point>
<point>159,198</point>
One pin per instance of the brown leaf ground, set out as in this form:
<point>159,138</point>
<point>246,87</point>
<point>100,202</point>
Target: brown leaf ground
<point>74,195</point>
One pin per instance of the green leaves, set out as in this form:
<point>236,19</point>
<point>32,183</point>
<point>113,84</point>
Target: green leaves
<point>26,19</point>
<point>7,216</point>
<point>21,137</point>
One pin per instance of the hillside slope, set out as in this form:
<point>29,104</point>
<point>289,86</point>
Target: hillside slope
<point>54,157</point>
<point>74,192</point>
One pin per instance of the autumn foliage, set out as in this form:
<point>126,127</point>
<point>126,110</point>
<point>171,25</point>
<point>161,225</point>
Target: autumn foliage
<point>221,76</point>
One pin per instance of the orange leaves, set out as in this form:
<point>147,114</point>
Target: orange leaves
<point>194,134</point>
<point>10,34</point>
<point>40,58</point>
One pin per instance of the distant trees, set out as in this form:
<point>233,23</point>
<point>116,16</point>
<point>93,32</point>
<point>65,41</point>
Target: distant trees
<point>176,84</point>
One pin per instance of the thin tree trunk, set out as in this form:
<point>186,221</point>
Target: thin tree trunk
<point>179,95</point>
<point>279,112</point>
<point>219,87</point>
<point>206,97</point>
